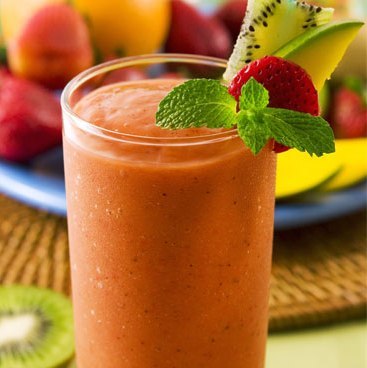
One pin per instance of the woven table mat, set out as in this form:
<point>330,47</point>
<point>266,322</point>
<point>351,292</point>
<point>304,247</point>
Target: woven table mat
<point>319,272</point>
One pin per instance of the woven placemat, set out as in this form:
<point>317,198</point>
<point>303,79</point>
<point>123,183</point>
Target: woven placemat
<point>319,272</point>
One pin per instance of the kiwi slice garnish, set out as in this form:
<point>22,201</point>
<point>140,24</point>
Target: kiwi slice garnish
<point>269,25</point>
<point>36,328</point>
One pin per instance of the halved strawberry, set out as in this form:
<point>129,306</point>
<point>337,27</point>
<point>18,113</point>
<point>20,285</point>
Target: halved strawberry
<point>289,86</point>
<point>30,119</point>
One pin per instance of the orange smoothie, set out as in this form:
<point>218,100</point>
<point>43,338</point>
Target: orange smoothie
<point>170,237</point>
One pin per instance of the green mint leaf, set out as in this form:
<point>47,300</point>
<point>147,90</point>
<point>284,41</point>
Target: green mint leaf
<point>197,103</point>
<point>205,102</point>
<point>252,130</point>
<point>253,95</point>
<point>299,130</point>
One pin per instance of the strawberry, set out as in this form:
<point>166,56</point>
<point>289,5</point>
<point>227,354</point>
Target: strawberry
<point>231,14</point>
<point>30,119</point>
<point>289,86</point>
<point>193,33</point>
<point>52,47</point>
<point>348,114</point>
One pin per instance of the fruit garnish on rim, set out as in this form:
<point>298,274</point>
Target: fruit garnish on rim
<point>272,92</point>
<point>203,102</point>
<point>270,24</point>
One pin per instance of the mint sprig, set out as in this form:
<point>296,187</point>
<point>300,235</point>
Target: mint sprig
<point>253,96</point>
<point>197,103</point>
<point>205,102</point>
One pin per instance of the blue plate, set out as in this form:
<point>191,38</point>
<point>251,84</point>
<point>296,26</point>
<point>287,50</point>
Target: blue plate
<point>41,185</point>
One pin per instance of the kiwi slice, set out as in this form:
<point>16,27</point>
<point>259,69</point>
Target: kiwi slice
<point>36,328</point>
<point>270,24</point>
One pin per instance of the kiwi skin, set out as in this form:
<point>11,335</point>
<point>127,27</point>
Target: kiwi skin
<point>47,341</point>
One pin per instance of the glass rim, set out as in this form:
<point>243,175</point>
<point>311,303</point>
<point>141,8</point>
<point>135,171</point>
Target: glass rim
<point>130,61</point>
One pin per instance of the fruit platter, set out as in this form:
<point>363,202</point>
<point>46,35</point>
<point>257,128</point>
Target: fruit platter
<point>40,54</point>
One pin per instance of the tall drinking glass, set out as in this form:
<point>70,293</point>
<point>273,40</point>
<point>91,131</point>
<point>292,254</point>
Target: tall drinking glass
<point>170,231</point>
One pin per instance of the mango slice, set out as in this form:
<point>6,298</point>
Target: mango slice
<point>299,173</point>
<point>320,49</point>
<point>352,154</point>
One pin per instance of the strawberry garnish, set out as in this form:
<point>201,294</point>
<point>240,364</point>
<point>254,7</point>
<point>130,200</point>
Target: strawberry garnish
<point>30,119</point>
<point>289,86</point>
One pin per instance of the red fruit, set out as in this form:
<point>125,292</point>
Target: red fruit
<point>52,47</point>
<point>289,86</point>
<point>30,119</point>
<point>193,33</point>
<point>349,114</point>
<point>231,14</point>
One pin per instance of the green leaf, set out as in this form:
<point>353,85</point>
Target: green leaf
<point>197,103</point>
<point>299,130</point>
<point>205,102</point>
<point>252,130</point>
<point>253,95</point>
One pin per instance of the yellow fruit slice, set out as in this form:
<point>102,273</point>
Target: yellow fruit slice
<point>15,13</point>
<point>352,154</point>
<point>126,27</point>
<point>298,173</point>
<point>320,49</point>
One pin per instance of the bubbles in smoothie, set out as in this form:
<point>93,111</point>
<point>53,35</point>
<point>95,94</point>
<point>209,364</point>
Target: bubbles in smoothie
<point>78,179</point>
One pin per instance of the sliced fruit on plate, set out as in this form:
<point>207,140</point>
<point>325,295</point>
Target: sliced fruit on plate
<point>268,25</point>
<point>352,154</point>
<point>298,173</point>
<point>320,49</point>
<point>36,327</point>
